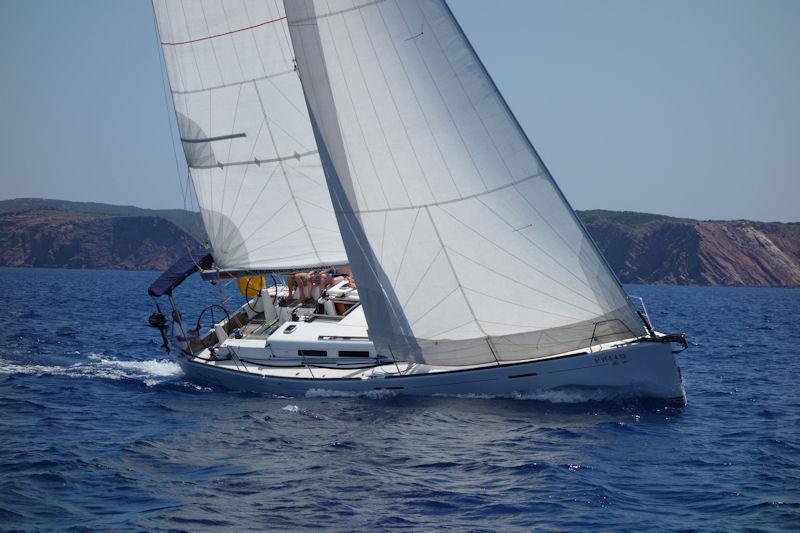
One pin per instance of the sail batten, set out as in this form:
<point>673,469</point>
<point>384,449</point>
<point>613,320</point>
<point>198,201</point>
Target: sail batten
<point>246,134</point>
<point>256,162</point>
<point>464,248</point>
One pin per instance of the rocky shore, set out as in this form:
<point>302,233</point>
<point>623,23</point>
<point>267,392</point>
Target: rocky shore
<point>640,247</point>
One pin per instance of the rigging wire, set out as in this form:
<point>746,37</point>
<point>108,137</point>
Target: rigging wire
<point>170,112</point>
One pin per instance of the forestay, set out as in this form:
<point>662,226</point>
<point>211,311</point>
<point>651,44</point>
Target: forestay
<point>463,246</point>
<point>246,135</point>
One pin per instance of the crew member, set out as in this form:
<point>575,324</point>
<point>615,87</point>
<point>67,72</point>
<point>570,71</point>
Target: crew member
<point>182,335</point>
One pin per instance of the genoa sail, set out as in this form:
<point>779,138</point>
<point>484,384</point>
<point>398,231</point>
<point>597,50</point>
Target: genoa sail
<point>464,248</point>
<point>246,134</point>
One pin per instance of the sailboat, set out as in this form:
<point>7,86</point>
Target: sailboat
<point>366,138</point>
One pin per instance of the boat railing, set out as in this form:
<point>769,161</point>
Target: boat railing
<point>594,332</point>
<point>641,309</point>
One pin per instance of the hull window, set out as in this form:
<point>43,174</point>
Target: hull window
<point>347,353</point>
<point>312,353</point>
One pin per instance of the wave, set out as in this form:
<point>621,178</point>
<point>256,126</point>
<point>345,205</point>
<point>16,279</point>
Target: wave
<point>576,395</point>
<point>371,394</point>
<point>150,372</point>
<point>554,396</point>
<point>558,396</point>
<point>150,367</point>
<point>302,411</point>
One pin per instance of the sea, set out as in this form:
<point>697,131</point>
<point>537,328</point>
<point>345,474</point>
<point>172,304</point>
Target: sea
<point>100,430</point>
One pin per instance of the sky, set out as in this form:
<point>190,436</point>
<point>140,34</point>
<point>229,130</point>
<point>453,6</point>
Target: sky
<point>684,108</point>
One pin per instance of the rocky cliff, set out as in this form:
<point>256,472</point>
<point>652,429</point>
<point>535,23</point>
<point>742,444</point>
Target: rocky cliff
<point>188,221</point>
<point>641,248</point>
<point>644,248</point>
<point>96,241</point>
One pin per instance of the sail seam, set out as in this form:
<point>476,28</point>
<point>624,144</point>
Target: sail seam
<point>383,234</point>
<point>435,82</point>
<point>233,123</point>
<point>255,202</point>
<point>175,102</point>
<point>393,97</point>
<point>273,241</point>
<point>522,234</point>
<point>458,280</point>
<point>194,53</point>
<point>375,111</point>
<point>241,183</point>
<point>230,147</point>
<point>301,22</point>
<point>437,304</point>
<point>445,202</point>
<point>288,61</point>
<point>222,79</point>
<point>423,277</point>
<point>232,200</point>
<point>515,304</point>
<point>312,204</point>
<point>448,330</point>
<point>358,118</point>
<point>285,177</point>
<point>524,263</point>
<point>232,84</point>
<point>312,179</point>
<point>405,249</point>
<point>620,290</point>
<point>212,234</point>
<point>284,28</point>
<point>213,48</point>
<point>416,97</point>
<point>224,33</point>
<point>468,97</point>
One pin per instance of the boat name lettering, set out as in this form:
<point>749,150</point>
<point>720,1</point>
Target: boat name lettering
<point>611,358</point>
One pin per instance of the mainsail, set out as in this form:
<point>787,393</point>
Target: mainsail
<point>246,135</point>
<point>464,248</point>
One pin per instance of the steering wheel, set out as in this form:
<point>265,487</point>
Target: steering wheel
<point>274,284</point>
<point>208,314</point>
<point>247,291</point>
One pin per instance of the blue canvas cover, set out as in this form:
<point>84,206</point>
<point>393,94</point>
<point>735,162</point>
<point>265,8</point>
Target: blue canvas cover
<point>184,267</point>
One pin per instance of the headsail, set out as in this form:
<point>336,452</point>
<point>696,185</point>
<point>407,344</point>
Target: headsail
<point>463,246</point>
<point>246,135</point>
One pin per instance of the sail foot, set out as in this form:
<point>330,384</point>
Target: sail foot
<point>580,336</point>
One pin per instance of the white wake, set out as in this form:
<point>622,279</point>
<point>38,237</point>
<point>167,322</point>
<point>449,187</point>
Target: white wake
<point>150,372</point>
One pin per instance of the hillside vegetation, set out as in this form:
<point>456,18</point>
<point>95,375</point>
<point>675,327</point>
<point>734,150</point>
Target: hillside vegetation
<point>59,239</point>
<point>640,247</point>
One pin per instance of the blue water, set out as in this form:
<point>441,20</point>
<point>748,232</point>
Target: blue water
<point>101,431</point>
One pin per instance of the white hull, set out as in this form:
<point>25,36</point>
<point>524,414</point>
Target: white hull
<point>639,369</point>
